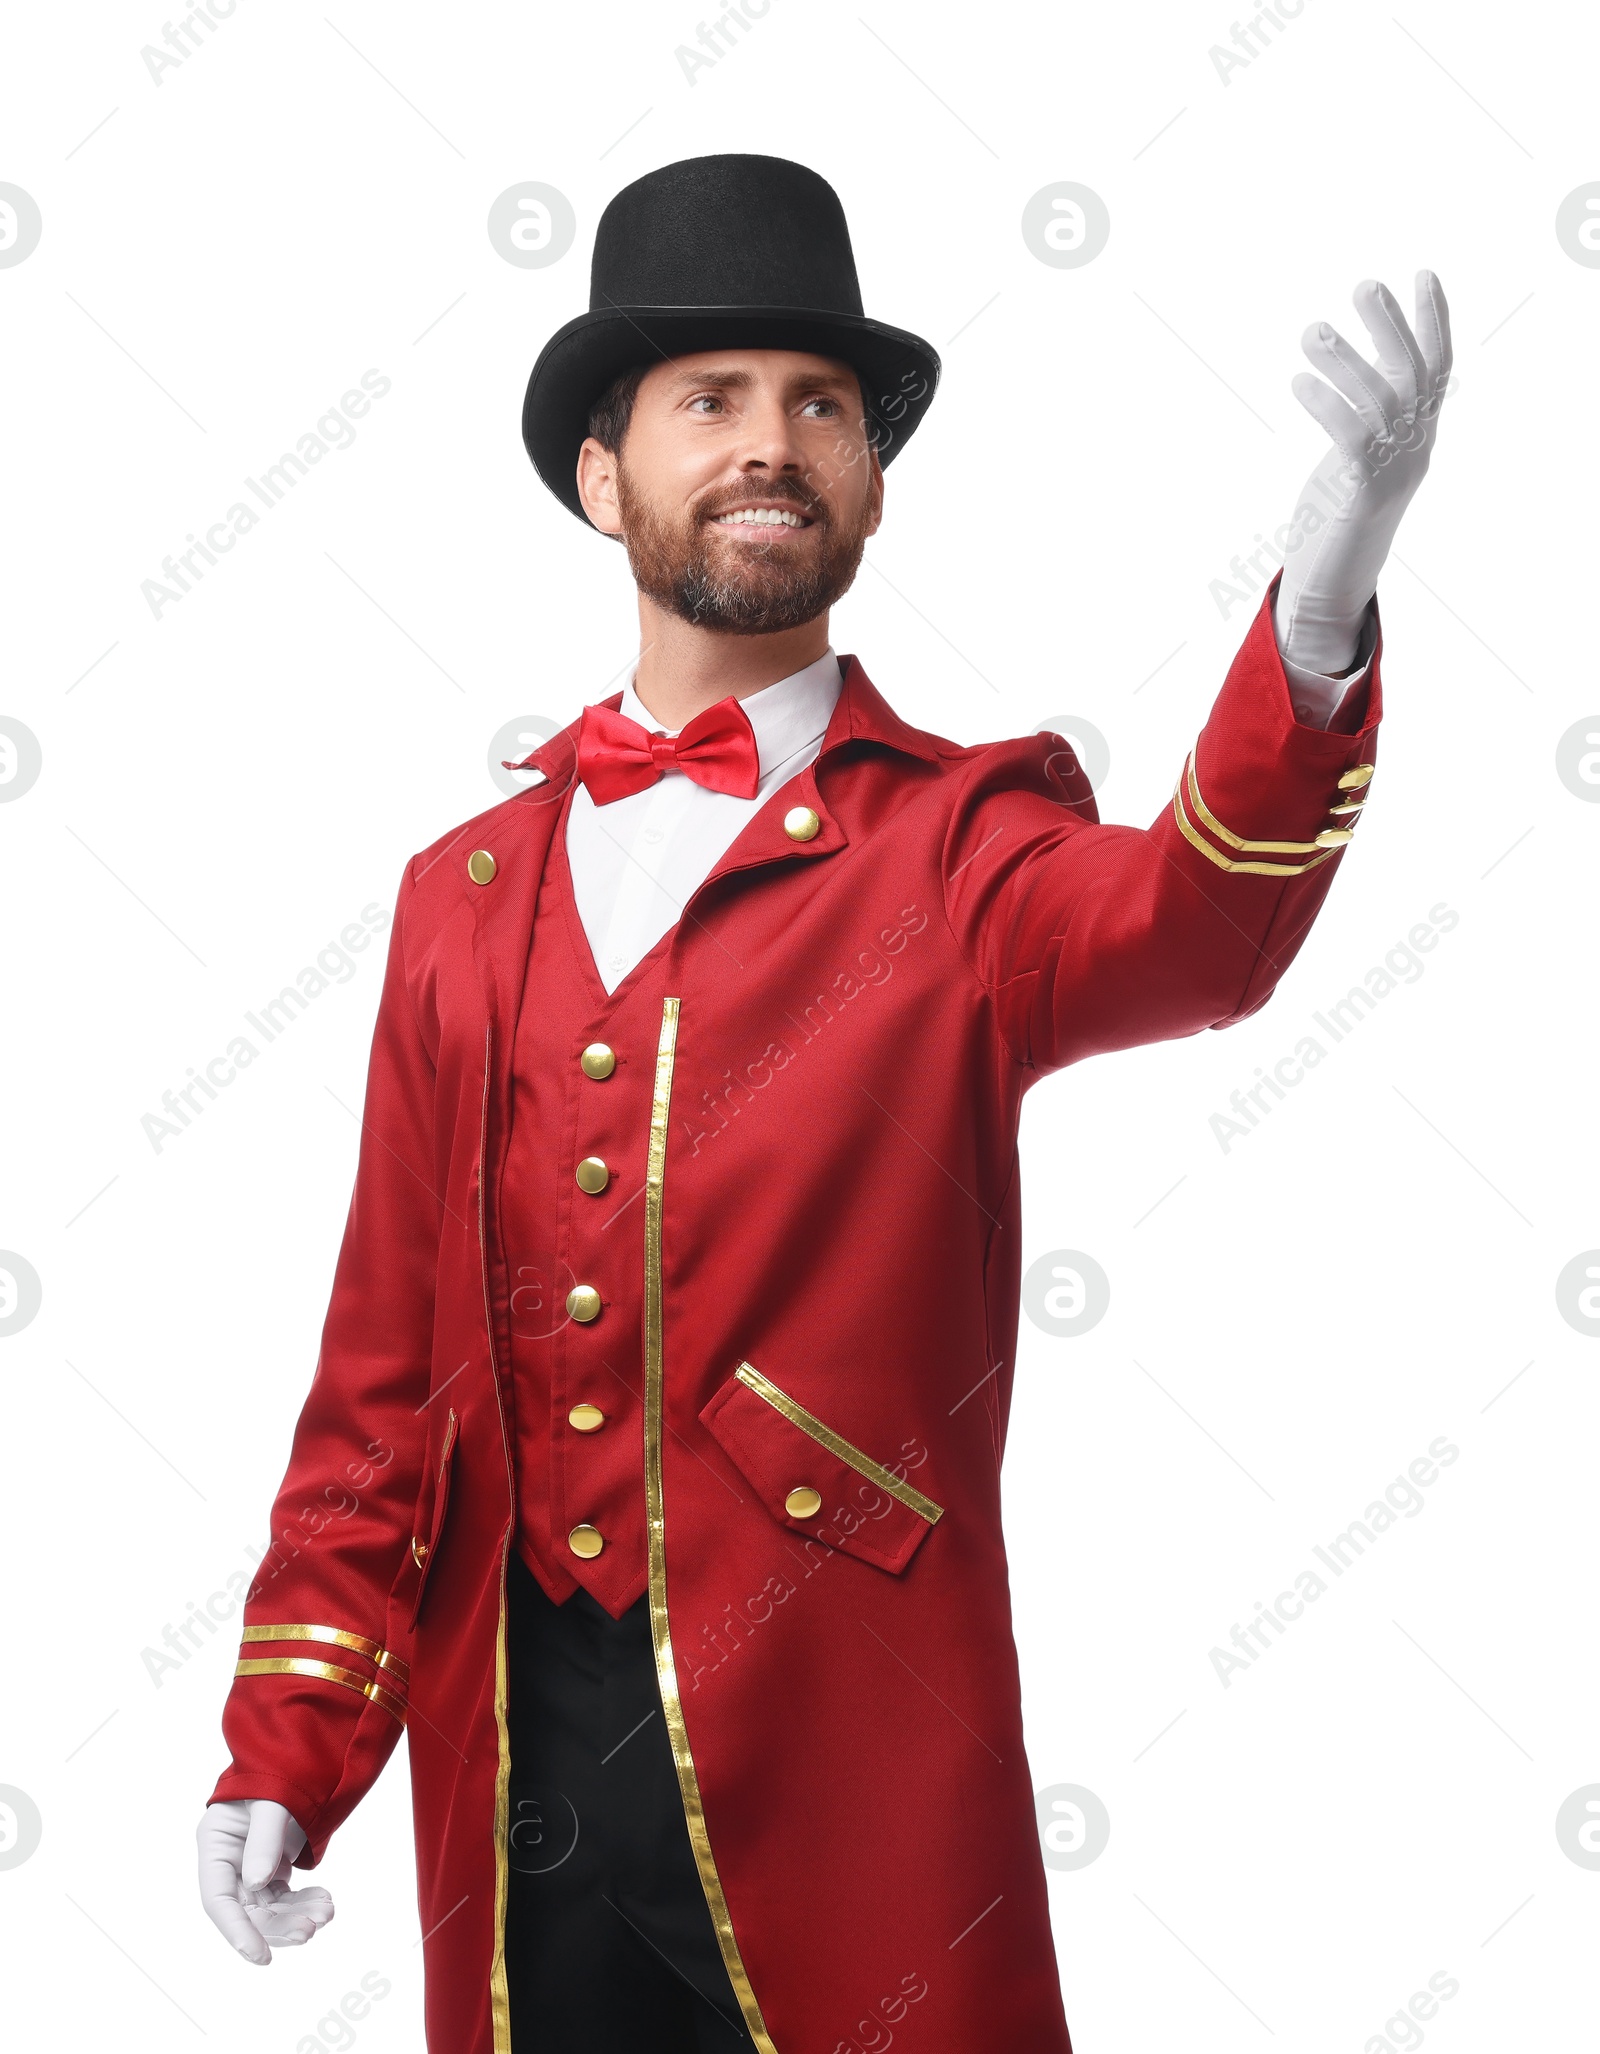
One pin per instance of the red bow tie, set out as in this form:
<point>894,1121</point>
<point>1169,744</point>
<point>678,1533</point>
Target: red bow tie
<point>617,756</point>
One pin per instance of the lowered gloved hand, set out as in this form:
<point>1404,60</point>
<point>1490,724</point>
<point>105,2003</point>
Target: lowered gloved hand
<point>246,1852</point>
<point>1383,431</point>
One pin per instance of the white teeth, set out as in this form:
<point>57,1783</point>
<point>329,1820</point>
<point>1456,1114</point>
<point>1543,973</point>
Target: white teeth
<point>760,516</point>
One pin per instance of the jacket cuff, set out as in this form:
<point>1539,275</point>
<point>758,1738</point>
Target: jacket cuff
<point>1261,793</point>
<point>236,1786</point>
<point>313,1715</point>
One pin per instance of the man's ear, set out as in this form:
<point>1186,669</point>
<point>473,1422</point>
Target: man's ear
<point>597,487</point>
<point>876,519</point>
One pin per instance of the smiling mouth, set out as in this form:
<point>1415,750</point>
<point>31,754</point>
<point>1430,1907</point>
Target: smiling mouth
<point>761,520</point>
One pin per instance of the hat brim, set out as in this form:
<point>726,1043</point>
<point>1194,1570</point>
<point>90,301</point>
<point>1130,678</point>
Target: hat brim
<point>899,372</point>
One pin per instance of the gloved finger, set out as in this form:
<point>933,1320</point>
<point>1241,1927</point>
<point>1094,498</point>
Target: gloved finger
<point>1347,371</point>
<point>233,1922</point>
<point>1433,333</point>
<point>312,1902</point>
<point>1340,422</point>
<point>285,1922</point>
<point>263,1846</point>
<point>1399,356</point>
<point>219,1840</point>
<point>220,1899</point>
<point>278,1928</point>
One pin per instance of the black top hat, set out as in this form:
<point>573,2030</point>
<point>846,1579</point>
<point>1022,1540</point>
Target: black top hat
<point>739,251</point>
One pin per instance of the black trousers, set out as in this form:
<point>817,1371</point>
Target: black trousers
<point>610,1948</point>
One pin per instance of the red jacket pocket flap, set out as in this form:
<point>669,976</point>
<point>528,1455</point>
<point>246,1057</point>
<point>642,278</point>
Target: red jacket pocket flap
<point>425,1540</point>
<point>812,1479</point>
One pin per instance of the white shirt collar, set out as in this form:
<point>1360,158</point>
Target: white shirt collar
<point>786,717</point>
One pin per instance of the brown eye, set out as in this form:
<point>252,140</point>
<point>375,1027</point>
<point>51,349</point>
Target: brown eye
<point>708,399</point>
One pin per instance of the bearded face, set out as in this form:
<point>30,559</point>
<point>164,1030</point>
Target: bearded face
<point>742,559</point>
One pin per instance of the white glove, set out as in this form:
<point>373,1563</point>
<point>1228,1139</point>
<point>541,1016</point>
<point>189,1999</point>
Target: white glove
<point>245,1855</point>
<point>1382,439</point>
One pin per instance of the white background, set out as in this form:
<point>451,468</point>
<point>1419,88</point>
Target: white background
<point>226,787</point>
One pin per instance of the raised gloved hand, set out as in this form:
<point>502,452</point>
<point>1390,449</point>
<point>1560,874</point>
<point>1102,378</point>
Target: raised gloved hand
<point>1383,432</point>
<point>245,1855</point>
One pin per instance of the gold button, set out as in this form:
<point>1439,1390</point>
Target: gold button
<point>588,1419</point>
<point>583,1302</point>
<point>480,866</point>
<point>419,1551</point>
<point>803,1502</point>
<point>800,824</point>
<point>1349,806</point>
<point>592,1175</point>
<point>1335,837</point>
<point>1353,780</point>
<point>586,1541</point>
<point>598,1061</point>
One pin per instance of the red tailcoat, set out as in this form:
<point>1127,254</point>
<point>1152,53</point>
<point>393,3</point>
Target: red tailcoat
<point>807,1267</point>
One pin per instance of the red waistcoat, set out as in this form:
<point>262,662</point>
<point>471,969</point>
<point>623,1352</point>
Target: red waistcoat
<point>587,1478</point>
<point>807,1262</point>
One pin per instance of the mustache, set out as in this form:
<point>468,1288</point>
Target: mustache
<point>785,491</point>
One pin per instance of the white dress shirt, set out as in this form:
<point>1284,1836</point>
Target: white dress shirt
<point>636,862</point>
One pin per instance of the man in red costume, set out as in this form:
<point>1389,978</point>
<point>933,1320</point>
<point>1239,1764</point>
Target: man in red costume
<point>651,1471</point>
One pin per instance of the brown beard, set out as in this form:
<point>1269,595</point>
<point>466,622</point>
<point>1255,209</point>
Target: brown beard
<point>739,590</point>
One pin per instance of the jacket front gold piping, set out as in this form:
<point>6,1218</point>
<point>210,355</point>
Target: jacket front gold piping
<point>836,1444</point>
<point>499,1991</point>
<point>661,1632</point>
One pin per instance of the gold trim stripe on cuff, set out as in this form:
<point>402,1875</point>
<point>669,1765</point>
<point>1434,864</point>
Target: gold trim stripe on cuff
<point>836,1444</point>
<point>1223,834</point>
<point>1222,862</point>
<point>326,1672</point>
<point>336,1636</point>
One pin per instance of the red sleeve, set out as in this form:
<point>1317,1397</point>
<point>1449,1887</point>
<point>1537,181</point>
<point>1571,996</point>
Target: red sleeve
<point>319,1697</point>
<point>1092,937</point>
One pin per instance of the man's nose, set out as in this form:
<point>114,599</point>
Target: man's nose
<point>769,441</point>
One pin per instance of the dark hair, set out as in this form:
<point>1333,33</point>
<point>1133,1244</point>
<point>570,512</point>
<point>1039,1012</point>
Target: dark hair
<point>613,410</point>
